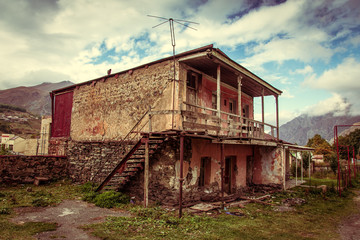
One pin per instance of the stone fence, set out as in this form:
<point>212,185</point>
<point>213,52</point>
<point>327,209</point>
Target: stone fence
<point>24,169</point>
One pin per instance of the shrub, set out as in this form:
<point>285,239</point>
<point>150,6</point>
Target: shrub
<point>110,199</point>
<point>88,187</point>
<point>90,196</point>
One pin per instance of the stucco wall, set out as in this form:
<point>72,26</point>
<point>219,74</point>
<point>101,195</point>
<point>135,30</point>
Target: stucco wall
<point>268,165</point>
<point>109,108</point>
<point>165,171</point>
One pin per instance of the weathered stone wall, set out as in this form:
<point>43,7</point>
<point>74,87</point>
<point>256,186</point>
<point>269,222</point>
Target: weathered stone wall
<point>58,146</point>
<point>86,158</point>
<point>24,169</point>
<point>107,109</point>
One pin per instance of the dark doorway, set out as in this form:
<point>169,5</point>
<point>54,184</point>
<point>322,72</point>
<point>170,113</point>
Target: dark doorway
<point>249,169</point>
<point>205,171</point>
<point>229,174</point>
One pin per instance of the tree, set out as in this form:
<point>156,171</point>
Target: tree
<point>351,140</point>
<point>321,146</point>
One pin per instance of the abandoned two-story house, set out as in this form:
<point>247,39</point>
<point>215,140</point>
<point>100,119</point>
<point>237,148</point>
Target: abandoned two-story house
<point>183,124</point>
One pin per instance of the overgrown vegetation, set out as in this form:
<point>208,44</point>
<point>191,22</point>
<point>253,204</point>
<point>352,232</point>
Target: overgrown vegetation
<point>318,218</point>
<point>107,199</point>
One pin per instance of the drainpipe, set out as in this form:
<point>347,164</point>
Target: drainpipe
<point>181,179</point>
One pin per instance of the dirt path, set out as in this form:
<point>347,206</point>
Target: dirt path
<point>69,215</point>
<point>350,227</point>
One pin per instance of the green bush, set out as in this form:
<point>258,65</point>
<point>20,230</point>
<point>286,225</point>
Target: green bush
<point>90,196</point>
<point>110,199</point>
<point>88,187</point>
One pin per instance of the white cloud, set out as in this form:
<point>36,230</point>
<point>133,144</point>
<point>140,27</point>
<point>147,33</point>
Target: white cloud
<point>281,50</point>
<point>304,71</point>
<point>286,94</point>
<point>335,104</point>
<point>343,78</point>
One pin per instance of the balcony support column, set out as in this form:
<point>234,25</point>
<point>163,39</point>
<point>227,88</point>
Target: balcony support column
<point>277,117</point>
<point>218,91</point>
<point>262,107</point>
<point>239,78</point>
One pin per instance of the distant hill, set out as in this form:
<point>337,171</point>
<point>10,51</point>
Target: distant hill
<point>301,128</point>
<point>17,121</point>
<point>35,99</point>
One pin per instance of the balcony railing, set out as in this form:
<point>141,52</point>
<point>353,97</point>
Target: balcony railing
<point>199,118</point>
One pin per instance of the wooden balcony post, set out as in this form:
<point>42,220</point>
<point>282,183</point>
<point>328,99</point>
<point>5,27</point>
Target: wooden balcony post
<point>262,107</point>
<point>239,78</point>
<point>218,91</point>
<point>146,174</point>
<point>277,117</point>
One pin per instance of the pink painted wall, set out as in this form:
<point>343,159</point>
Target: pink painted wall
<point>204,148</point>
<point>267,165</point>
<point>207,87</point>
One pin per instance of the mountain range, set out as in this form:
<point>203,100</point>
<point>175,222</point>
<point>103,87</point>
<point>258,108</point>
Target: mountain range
<point>34,99</point>
<point>301,128</point>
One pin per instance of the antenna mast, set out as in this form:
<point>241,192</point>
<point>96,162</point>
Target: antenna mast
<point>173,44</point>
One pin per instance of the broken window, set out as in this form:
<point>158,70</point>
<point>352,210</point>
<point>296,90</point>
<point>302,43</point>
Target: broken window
<point>192,79</point>
<point>232,106</point>
<point>205,171</point>
<point>213,102</point>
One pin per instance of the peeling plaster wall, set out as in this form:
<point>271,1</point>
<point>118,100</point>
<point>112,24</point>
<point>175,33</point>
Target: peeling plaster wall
<point>107,109</point>
<point>204,148</point>
<point>268,165</point>
<point>165,172</point>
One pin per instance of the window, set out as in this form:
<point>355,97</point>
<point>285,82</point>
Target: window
<point>11,147</point>
<point>192,79</point>
<point>213,102</point>
<point>205,171</point>
<point>232,106</point>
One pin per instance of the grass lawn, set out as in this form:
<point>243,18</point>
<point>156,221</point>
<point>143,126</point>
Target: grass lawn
<point>318,218</point>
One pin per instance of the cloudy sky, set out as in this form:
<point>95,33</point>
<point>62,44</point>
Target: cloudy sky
<point>309,49</point>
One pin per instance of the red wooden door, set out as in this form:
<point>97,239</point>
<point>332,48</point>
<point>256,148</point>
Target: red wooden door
<point>61,122</point>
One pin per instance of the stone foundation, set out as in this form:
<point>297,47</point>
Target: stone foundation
<point>24,169</point>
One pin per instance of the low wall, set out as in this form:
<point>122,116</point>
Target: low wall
<point>24,169</point>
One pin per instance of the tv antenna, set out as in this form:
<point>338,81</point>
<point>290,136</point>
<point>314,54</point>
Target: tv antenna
<point>173,43</point>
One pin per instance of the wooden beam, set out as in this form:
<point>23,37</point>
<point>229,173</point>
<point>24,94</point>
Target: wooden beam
<point>146,174</point>
<point>239,97</point>
<point>262,107</point>
<point>277,116</point>
<point>192,126</point>
<point>218,91</point>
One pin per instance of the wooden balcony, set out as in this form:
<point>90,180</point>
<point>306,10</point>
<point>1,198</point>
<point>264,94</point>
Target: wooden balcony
<point>204,119</point>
